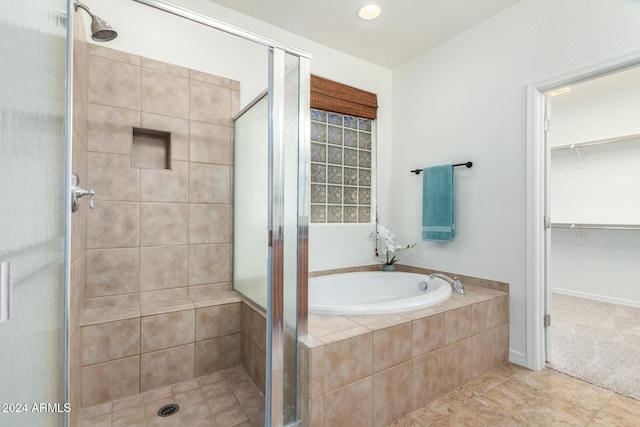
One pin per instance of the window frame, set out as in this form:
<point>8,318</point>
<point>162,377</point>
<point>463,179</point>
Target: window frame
<point>326,163</point>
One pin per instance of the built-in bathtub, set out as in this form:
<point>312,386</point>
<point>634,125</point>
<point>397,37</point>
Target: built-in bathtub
<point>375,292</point>
<point>371,369</point>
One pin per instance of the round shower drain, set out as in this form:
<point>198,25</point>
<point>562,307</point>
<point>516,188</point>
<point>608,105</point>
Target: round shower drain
<point>167,410</point>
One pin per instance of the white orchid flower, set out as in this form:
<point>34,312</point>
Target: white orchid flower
<point>389,241</point>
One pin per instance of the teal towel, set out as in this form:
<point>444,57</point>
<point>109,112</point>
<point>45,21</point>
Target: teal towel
<point>437,204</point>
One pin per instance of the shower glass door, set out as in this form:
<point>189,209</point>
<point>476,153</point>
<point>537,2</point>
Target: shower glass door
<point>288,229</point>
<point>271,180</point>
<point>250,201</point>
<point>33,48</point>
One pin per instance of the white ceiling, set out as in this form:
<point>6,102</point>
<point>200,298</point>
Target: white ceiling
<point>404,29</point>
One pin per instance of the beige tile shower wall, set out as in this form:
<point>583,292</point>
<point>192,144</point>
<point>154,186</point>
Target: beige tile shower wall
<point>157,245</point>
<point>254,327</point>
<point>149,345</point>
<point>79,218</point>
<point>158,234</point>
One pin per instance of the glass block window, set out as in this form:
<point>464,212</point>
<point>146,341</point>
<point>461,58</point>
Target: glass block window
<point>342,164</point>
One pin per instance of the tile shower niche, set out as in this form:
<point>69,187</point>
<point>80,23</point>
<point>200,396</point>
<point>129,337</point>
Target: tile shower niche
<point>151,149</point>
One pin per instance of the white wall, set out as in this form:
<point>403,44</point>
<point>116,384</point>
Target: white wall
<point>605,116</point>
<point>465,100</point>
<point>602,188</point>
<point>155,34</point>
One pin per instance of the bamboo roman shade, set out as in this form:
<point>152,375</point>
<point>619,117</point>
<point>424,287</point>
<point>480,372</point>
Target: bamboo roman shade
<point>331,96</point>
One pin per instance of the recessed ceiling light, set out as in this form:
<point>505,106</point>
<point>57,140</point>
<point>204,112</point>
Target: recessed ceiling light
<point>560,91</point>
<point>368,12</point>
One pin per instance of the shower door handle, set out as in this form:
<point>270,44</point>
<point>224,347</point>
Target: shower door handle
<point>5,291</point>
<point>77,193</point>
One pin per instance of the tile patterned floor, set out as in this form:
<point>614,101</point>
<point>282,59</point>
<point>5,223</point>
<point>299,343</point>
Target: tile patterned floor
<point>505,396</point>
<point>227,398</point>
<point>514,396</point>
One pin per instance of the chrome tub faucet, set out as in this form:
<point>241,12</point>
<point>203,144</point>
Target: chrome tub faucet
<point>455,283</point>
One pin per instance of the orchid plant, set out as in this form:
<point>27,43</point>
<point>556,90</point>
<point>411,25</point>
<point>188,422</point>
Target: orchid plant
<point>390,247</point>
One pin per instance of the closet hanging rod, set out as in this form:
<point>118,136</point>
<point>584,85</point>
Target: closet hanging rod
<point>595,142</point>
<point>574,226</point>
<point>467,164</point>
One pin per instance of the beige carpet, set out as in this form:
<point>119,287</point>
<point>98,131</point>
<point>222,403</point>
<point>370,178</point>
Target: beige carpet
<point>596,342</point>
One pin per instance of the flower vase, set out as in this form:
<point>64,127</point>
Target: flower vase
<point>388,267</point>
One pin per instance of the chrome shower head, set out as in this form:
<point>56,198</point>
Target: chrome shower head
<point>101,31</point>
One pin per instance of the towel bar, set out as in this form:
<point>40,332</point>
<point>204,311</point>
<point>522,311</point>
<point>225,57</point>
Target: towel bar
<point>467,164</point>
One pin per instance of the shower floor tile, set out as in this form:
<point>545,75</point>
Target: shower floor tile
<point>227,398</point>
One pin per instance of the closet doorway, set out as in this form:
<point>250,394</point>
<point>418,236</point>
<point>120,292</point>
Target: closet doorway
<point>593,240</point>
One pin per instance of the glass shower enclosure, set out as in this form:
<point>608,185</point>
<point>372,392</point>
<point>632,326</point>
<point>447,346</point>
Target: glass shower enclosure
<point>33,262</point>
<point>271,210</point>
<point>270,206</point>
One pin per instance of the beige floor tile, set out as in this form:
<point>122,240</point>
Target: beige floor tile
<point>128,402</point>
<point>222,402</point>
<point>210,379</point>
<point>449,403</point>
<point>94,411</point>
<point>476,414</point>
<point>156,394</point>
<point>190,397</point>
<point>216,389</point>
<point>128,416</point>
<point>619,411</point>
<point>185,386</point>
<point>576,392</point>
<point>208,421</point>
<point>231,416</point>
<point>405,422</point>
<point>100,421</point>
<point>425,416</point>
<point>550,412</point>
<point>193,413</point>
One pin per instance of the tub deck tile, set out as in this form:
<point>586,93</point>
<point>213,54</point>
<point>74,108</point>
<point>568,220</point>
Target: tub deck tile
<point>343,335</point>
<point>424,312</point>
<point>378,321</point>
<point>325,324</point>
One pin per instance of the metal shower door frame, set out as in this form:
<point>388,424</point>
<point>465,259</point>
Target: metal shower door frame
<point>279,307</point>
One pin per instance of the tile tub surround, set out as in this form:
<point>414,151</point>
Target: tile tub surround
<point>134,348</point>
<point>370,370</point>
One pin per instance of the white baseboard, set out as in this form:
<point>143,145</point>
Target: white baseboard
<point>595,297</point>
<point>517,358</point>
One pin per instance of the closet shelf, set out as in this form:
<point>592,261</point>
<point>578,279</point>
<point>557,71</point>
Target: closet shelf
<point>576,226</point>
<point>595,142</point>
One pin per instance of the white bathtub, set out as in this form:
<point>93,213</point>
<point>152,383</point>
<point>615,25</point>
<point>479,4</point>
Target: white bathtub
<point>374,292</point>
